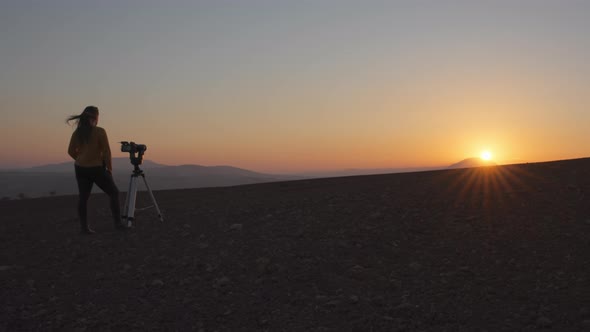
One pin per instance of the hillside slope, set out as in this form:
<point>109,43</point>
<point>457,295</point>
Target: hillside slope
<point>502,248</point>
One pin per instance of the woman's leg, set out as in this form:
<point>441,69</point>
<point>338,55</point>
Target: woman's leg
<point>105,182</point>
<point>84,179</point>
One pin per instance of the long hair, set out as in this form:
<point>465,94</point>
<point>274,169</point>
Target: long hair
<point>84,127</point>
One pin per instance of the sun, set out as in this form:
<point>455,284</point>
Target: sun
<point>486,155</point>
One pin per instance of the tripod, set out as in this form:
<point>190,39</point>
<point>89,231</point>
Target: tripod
<point>132,195</point>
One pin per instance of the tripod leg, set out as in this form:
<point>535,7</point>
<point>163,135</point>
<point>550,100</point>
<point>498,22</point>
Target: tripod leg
<point>132,194</point>
<point>127,198</point>
<point>153,198</point>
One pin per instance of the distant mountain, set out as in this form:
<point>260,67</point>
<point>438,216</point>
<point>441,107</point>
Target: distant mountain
<point>68,166</point>
<point>472,162</point>
<point>59,179</point>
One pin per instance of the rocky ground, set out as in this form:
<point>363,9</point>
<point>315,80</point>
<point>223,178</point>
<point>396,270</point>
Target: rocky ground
<point>489,249</point>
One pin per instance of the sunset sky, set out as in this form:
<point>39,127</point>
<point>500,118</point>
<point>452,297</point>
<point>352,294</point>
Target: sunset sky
<point>288,86</point>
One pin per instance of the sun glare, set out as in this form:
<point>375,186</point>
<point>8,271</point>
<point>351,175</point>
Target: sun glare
<point>486,155</point>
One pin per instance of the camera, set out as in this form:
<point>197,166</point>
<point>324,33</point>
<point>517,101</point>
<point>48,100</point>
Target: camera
<point>135,151</point>
<point>131,147</point>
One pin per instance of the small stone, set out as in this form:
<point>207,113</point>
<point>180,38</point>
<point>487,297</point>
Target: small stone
<point>354,299</point>
<point>543,322</point>
<point>357,269</point>
<point>40,313</point>
<point>378,301</point>
<point>157,282</point>
<point>415,266</point>
<point>586,324</point>
<point>236,227</point>
<point>6,267</point>
<point>333,303</point>
<point>188,299</point>
<point>404,307</point>
<point>585,312</point>
<point>222,282</point>
<point>262,264</point>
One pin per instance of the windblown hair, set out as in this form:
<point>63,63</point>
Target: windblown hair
<point>84,128</point>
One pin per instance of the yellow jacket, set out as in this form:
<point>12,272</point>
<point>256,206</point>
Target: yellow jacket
<point>94,153</point>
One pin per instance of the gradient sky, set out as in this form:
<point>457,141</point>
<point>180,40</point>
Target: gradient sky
<point>284,86</point>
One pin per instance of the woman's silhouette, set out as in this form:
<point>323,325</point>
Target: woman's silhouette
<point>89,147</point>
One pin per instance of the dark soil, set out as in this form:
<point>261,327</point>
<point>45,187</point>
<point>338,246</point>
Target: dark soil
<point>502,248</point>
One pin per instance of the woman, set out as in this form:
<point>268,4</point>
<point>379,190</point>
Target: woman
<point>89,147</point>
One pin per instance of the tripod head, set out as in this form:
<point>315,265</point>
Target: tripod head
<point>136,152</point>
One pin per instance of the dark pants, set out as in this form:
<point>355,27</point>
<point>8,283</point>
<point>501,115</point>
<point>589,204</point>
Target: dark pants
<point>86,177</point>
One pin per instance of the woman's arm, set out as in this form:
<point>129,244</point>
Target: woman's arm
<point>73,148</point>
<point>107,153</point>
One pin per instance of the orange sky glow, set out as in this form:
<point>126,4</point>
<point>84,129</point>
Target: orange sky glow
<point>368,86</point>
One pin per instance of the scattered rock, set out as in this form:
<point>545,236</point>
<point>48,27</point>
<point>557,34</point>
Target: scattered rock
<point>236,227</point>
<point>221,282</point>
<point>404,307</point>
<point>262,265</point>
<point>333,303</point>
<point>157,282</point>
<point>299,232</point>
<point>415,266</point>
<point>375,215</point>
<point>378,301</point>
<point>357,269</point>
<point>543,322</point>
<point>262,321</point>
<point>40,313</point>
<point>6,267</point>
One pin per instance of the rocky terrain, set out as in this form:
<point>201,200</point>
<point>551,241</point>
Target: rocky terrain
<point>502,248</point>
